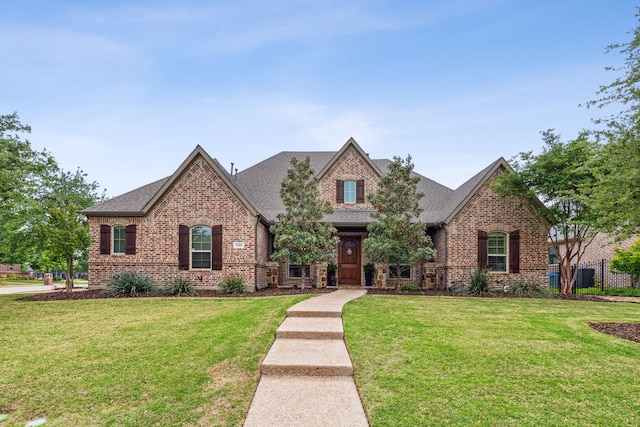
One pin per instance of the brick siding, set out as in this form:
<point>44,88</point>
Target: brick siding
<point>491,212</point>
<point>197,197</point>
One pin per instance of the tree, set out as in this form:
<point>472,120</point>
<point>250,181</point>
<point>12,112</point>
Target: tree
<point>61,231</point>
<point>561,179</point>
<point>628,261</point>
<point>21,180</point>
<point>396,236</point>
<point>300,237</point>
<point>617,167</point>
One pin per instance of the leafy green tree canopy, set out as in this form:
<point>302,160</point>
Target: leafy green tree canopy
<point>628,261</point>
<point>300,237</point>
<point>21,181</point>
<point>397,236</point>
<point>617,167</point>
<point>61,231</point>
<point>560,178</point>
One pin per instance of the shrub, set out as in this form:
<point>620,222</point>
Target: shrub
<point>181,286</point>
<point>232,285</point>
<point>478,283</point>
<point>130,283</point>
<point>411,288</point>
<point>528,289</point>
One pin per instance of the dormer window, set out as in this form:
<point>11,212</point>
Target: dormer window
<point>350,191</point>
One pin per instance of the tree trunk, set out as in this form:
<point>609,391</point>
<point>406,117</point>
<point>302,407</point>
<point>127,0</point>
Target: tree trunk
<point>69,278</point>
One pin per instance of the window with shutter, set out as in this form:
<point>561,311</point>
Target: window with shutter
<point>183,247</point>
<point>130,239</point>
<point>349,191</point>
<point>216,247</point>
<point>339,191</point>
<point>514,251</point>
<point>105,239</point>
<point>201,247</point>
<point>360,191</point>
<point>118,239</point>
<point>482,249</point>
<point>497,252</point>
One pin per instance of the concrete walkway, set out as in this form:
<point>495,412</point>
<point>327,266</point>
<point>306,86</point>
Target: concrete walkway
<point>307,376</point>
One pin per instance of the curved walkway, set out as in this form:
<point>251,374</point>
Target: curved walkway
<point>307,375</point>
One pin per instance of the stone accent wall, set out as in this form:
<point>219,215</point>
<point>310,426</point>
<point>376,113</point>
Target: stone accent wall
<point>489,211</point>
<point>350,167</point>
<point>197,197</point>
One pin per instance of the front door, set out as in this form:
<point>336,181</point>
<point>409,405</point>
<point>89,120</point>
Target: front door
<point>349,261</point>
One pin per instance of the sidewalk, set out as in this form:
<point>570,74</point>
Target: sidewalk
<point>307,375</point>
<point>36,289</point>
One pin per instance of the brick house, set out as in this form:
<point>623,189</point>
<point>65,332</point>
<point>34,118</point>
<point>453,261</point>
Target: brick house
<point>207,224</point>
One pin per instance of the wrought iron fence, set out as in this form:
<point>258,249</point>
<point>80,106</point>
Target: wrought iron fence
<point>592,278</point>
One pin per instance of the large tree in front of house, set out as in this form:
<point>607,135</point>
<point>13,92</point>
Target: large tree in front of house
<point>21,181</point>
<point>561,179</point>
<point>617,195</point>
<point>299,236</point>
<point>396,235</point>
<point>61,231</point>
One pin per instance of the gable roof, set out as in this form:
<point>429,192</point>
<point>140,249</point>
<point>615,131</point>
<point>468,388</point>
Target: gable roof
<point>258,187</point>
<point>351,143</point>
<point>138,202</point>
<point>462,194</point>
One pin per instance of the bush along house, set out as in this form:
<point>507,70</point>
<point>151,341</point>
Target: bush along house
<point>207,225</point>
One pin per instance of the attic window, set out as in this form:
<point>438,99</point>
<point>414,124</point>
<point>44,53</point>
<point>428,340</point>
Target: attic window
<point>349,191</point>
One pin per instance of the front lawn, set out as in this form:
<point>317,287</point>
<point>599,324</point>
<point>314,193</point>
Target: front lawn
<point>495,362</point>
<point>134,362</point>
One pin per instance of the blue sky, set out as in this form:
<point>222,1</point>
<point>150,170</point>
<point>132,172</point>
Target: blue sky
<point>126,89</point>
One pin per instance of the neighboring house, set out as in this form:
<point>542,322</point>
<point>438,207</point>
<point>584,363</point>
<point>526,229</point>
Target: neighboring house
<point>206,224</point>
<point>594,263</point>
<point>8,269</point>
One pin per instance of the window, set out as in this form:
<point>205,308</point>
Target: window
<point>118,239</point>
<point>405,272</point>
<point>299,271</point>
<point>201,247</point>
<point>122,239</point>
<point>497,252</point>
<point>553,258</point>
<point>349,191</point>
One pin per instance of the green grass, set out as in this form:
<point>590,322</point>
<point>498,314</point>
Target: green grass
<point>133,362</point>
<point>498,362</point>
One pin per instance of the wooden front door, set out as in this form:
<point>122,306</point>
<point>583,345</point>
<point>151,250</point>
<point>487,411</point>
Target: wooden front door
<point>349,261</point>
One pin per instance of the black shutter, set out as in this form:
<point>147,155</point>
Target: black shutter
<point>105,239</point>
<point>216,247</point>
<point>183,247</point>
<point>483,249</point>
<point>514,252</point>
<point>360,191</point>
<point>339,191</point>
<point>130,239</point>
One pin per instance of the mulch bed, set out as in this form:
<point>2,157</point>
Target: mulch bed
<point>629,331</point>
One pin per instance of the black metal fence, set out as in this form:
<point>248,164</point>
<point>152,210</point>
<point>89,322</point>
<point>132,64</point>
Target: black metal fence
<point>593,278</point>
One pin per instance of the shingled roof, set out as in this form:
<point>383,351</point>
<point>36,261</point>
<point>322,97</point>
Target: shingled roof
<point>259,187</point>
